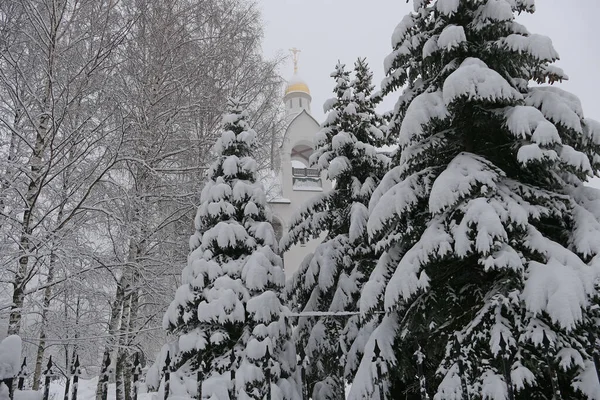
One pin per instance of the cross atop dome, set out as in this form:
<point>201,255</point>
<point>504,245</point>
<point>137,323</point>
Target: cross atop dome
<point>297,94</point>
<point>295,51</point>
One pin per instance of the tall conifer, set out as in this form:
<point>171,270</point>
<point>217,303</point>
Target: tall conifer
<point>331,279</point>
<point>230,299</point>
<point>489,236</point>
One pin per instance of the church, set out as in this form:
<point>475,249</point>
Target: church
<point>299,183</point>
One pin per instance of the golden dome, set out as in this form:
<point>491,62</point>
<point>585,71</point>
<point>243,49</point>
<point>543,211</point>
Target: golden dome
<point>297,86</point>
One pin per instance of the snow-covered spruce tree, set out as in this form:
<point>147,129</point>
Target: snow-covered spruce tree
<point>489,236</point>
<point>330,280</point>
<point>230,297</point>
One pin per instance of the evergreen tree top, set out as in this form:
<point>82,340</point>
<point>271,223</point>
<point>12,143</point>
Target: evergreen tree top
<point>236,143</point>
<point>363,81</point>
<point>435,40</point>
<point>342,81</point>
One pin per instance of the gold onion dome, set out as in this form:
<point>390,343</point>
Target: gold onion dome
<point>296,85</point>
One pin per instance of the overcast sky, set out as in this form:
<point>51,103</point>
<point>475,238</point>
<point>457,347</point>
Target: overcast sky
<point>328,30</point>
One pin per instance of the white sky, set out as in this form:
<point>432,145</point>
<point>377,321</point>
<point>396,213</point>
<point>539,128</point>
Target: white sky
<point>328,30</point>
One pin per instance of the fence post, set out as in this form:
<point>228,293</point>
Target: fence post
<point>67,385</point>
<point>556,395</point>
<point>461,369</point>
<point>505,357</point>
<point>341,364</point>
<point>232,374</point>
<point>105,373</point>
<point>167,372</point>
<point>137,371</point>
<point>420,358</point>
<point>377,361</point>
<point>76,371</point>
<point>23,373</point>
<point>199,373</point>
<point>267,367</point>
<point>48,373</point>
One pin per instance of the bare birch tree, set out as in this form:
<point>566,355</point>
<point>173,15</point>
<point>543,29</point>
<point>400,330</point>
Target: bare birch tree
<point>55,129</point>
<point>108,111</point>
<point>181,61</point>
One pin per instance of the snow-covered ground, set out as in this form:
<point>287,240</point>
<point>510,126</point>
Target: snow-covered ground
<point>86,391</point>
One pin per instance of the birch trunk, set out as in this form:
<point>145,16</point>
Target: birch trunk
<point>35,182</point>
<point>37,373</point>
<point>122,371</point>
<point>48,292</point>
<point>20,279</point>
<point>76,336</point>
<point>6,176</point>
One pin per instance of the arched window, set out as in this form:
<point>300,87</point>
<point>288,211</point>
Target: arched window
<point>301,153</point>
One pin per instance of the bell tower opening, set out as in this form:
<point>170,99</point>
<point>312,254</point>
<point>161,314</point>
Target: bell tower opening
<point>303,177</point>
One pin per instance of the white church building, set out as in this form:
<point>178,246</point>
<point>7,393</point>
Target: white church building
<point>299,183</point>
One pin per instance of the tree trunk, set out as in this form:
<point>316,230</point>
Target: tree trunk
<point>122,353</point>
<point>5,179</point>
<point>35,184</point>
<point>20,279</point>
<point>77,317</point>
<point>133,309</point>
<point>37,373</point>
<point>47,297</point>
<point>113,324</point>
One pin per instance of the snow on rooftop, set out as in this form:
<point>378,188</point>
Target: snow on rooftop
<point>295,79</point>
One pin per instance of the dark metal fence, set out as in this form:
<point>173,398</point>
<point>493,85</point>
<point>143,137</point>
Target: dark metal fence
<point>17,383</point>
<point>72,379</point>
<point>267,365</point>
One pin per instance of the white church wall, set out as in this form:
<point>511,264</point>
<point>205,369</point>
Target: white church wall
<point>298,144</point>
<point>292,258</point>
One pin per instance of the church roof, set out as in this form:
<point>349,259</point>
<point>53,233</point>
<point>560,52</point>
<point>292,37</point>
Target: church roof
<point>301,114</point>
<point>296,84</point>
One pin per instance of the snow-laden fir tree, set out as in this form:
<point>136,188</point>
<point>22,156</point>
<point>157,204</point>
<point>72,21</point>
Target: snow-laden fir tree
<point>490,239</point>
<point>330,280</point>
<point>230,297</point>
